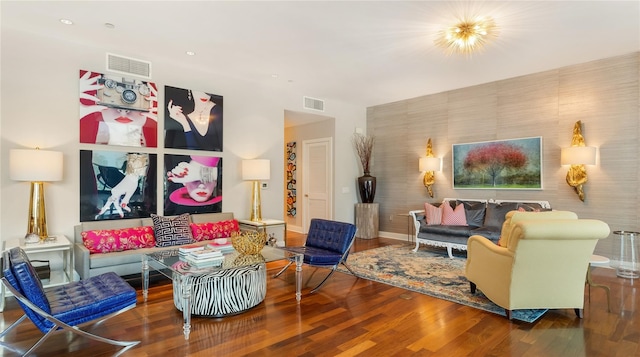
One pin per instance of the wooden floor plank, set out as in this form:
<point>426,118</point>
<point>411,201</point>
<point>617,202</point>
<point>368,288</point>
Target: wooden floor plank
<point>355,317</point>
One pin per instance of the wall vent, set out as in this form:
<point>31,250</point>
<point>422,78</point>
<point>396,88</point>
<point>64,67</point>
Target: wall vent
<point>313,104</point>
<point>127,65</point>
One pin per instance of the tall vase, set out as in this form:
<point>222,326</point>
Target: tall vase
<point>367,187</point>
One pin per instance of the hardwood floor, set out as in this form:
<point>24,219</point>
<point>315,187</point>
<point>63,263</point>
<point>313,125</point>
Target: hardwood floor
<point>356,317</point>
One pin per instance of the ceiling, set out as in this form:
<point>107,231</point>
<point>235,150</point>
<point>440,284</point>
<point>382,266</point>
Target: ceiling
<point>365,53</point>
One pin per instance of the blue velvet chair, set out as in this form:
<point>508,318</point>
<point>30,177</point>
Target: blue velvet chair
<point>64,307</point>
<point>327,246</point>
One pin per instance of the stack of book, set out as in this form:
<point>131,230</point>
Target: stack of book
<point>205,257</point>
<point>184,250</point>
<point>224,248</point>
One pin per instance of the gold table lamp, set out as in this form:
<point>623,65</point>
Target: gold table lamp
<point>256,170</point>
<point>36,166</point>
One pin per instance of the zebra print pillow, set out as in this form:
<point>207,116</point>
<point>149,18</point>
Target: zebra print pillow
<point>172,231</point>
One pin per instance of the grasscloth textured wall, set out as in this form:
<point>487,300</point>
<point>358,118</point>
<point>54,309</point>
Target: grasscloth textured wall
<point>604,94</point>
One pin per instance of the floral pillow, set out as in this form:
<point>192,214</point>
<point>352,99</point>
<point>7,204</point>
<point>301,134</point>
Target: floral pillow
<point>117,240</point>
<point>214,230</point>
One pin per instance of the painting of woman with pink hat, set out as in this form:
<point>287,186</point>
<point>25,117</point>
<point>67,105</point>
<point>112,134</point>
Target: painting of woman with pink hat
<point>194,184</point>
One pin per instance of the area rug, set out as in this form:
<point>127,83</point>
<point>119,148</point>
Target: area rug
<point>428,272</point>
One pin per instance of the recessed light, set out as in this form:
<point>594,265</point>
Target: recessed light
<point>66,21</point>
<point>190,53</point>
<point>109,25</point>
<point>274,75</point>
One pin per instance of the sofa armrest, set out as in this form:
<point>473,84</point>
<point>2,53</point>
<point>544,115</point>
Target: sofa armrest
<point>81,260</point>
<point>489,267</point>
<point>417,216</point>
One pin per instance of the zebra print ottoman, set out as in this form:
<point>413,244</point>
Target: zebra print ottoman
<point>225,292</point>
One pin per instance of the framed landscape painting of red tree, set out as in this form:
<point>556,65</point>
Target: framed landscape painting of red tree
<point>502,164</point>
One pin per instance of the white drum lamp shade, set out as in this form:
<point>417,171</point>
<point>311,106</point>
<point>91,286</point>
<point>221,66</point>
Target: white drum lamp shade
<point>578,155</point>
<point>429,164</point>
<point>258,169</point>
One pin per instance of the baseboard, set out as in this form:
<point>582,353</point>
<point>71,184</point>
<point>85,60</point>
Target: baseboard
<point>392,235</point>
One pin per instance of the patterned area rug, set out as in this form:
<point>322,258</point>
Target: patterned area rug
<point>427,272</point>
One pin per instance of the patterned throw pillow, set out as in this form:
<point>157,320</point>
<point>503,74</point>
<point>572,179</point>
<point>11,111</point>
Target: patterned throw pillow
<point>172,231</point>
<point>453,217</point>
<point>213,230</point>
<point>433,213</point>
<point>117,240</point>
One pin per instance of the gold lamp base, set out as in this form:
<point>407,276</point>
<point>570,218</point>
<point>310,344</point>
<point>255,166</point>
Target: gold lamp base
<point>256,210</point>
<point>37,220</point>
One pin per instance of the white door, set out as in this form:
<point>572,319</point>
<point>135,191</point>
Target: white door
<point>317,163</point>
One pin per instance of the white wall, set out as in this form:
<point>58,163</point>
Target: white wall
<point>39,107</point>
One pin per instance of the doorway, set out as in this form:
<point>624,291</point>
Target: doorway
<point>317,188</point>
<point>318,132</point>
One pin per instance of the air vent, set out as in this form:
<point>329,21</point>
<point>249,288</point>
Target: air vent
<point>126,65</point>
<point>313,104</point>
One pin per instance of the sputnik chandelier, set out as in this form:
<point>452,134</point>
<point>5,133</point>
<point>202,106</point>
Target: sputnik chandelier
<point>467,36</point>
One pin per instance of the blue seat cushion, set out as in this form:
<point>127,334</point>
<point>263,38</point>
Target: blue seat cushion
<point>317,256</point>
<point>86,300</point>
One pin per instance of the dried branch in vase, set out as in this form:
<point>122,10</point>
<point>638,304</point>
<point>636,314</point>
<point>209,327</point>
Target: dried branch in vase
<point>364,149</point>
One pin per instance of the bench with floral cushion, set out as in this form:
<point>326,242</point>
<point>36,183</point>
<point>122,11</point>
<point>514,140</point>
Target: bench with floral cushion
<point>450,223</point>
<point>118,245</point>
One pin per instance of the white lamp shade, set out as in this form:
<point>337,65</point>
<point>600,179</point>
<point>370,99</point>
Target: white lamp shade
<point>429,164</point>
<point>35,165</point>
<point>255,170</point>
<point>578,155</point>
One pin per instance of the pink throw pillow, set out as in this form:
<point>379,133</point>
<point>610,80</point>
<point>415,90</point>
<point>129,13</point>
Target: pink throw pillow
<point>213,230</point>
<point>453,217</point>
<point>117,240</point>
<point>433,213</point>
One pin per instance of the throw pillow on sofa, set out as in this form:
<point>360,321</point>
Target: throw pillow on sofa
<point>117,240</point>
<point>171,231</point>
<point>453,217</point>
<point>474,212</point>
<point>496,212</point>
<point>214,230</point>
<point>433,213</point>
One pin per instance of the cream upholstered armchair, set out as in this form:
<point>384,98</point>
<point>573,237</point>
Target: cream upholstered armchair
<point>540,263</point>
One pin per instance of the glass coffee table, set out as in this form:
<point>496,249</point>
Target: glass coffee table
<point>185,277</point>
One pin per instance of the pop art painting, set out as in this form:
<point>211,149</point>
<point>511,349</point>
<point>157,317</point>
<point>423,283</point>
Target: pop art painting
<point>193,184</point>
<point>117,185</point>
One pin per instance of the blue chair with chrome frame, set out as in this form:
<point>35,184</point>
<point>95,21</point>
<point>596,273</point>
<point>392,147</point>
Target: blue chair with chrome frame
<point>327,246</point>
<point>67,306</point>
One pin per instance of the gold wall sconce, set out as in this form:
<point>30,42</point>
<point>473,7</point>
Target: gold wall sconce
<point>429,165</point>
<point>578,155</point>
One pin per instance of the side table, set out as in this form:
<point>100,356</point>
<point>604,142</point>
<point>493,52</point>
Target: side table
<point>58,277</point>
<point>273,227</point>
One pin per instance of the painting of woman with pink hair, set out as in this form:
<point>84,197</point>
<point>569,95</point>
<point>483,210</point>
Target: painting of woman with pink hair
<point>194,184</point>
